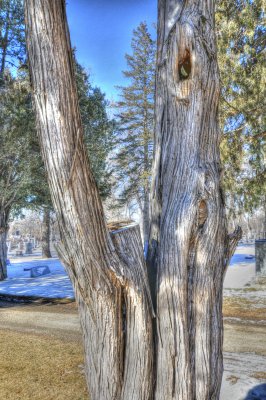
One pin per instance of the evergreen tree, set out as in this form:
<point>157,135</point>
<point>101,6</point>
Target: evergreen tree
<point>12,37</point>
<point>15,119</point>
<point>99,138</point>
<point>17,153</point>
<point>241,42</point>
<point>241,52</point>
<point>98,129</point>
<point>135,124</point>
<point>23,180</point>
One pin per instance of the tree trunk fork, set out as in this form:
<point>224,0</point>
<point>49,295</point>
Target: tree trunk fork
<point>188,242</point>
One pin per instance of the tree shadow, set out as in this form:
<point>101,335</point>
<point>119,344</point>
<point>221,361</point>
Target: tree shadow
<point>19,283</point>
<point>257,393</point>
<point>242,259</point>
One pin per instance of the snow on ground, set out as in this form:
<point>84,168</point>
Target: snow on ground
<point>238,384</point>
<point>244,372</point>
<point>241,269</point>
<point>19,283</point>
<point>57,283</point>
<point>241,279</point>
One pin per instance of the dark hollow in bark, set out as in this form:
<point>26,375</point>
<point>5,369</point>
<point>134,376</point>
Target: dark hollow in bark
<point>184,66</point>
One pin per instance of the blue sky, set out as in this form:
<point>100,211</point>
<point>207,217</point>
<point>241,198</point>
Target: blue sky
<point>101,31</point>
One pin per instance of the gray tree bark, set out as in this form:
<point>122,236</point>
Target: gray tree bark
<point>189,247</point>
<point>110,283</point>
<point>46,230</point>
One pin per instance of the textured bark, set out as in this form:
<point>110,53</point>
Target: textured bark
<point>3,246</point>
<point>46,229</point>
<point>138,324</point>
<point>189,246</point>
<point>110,284</point>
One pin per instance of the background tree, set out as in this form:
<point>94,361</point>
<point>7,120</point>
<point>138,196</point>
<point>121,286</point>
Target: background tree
<point>17,153</point>
<point>241,40</point>
<point>99,129</point>
<point>40,200</point>
<point>241,37</point>
<point>12,36</point>
<point>136,124</point>
<point>46,233</point>
<point>99,135</point>
<point>14,103</point>
<point>23,182</point>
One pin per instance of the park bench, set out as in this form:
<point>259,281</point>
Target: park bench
<point>38,270</point>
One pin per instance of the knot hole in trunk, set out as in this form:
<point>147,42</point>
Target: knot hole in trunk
<point>202,213</point>
<point>184,66</point>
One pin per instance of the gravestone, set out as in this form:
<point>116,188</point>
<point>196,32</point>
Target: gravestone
<point>28,248</point>
<point>20,248</point>
<point>39,270</point>
<point>9,245</point>
<point>260,253</point>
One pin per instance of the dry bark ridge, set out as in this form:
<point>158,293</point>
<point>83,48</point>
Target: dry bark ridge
<point>189,246</point>
<point>104,283</point>
<point>188,239</point>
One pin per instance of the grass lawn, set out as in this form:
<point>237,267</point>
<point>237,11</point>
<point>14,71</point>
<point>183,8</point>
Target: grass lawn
<point>35,367</point>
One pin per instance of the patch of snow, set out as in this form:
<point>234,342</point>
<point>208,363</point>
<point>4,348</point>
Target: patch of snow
<point>241,270</point>
<point>54,285</point>
<point>239,381</point>
<point>256,296</point>
<point>244,321</point>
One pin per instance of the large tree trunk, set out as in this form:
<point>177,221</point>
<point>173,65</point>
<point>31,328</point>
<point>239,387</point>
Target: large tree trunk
<point>46,229</point>
<point>110,282</point>
<point>189,246</point>
<point>3,246</point>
